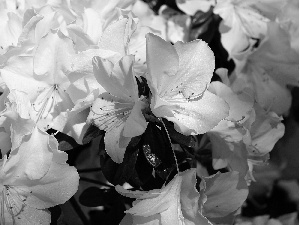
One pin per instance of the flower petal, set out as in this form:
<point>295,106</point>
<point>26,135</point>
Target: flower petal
<point>56,187</point>
<point>239,104</point>
<point>110,113</point>
<point>117,79</point>
<point>226,192</point>
<point>162,62</point>
<point>135,124</point>
<point>116,143</point>
<point>197,117</point>
<point>52,60</point>
<point>34,156</point>
<point>196,67</point>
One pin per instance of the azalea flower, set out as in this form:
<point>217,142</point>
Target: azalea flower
<point>268,71</point>
<point>247,135</point>
<point>40,149</point>
<point>118,110</point>
<point>45,79</point>
<point>11,21</point>
<point>24,201</point>
<point>228,148</point>
<point>265,130</point>
<point>244,22</point>
<point>174,204</point>
<point>112,45</point>
<point>95,16</point>
<point>247,143</point>
<point>54,102</point>
<point>178,77</point>
<point>148,22</point>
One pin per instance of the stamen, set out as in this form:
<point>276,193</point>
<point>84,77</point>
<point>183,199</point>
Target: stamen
<point>13,200</point>
<point>43,105</point>
<point>111,118</point>
<point>177,167</point>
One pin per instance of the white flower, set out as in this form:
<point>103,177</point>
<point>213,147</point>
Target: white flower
<point>24,201</point>
<point>244,22</point>
<point>178,79</point>
<point>118,110</point>
<point>174,204</point>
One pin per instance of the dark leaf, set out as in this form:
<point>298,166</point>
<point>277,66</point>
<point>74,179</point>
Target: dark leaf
<point>201,17</point>
<point>204,26</point>
<point>92,197</point>
<point>55,214</point>
<point>178,138</point>
<point>143,175</point>
<point>156,146</point>
<point>65,142</point>
<point>111,215</point>
<point>120,173</point>
<point>143,86</point>
<point>91,133</point>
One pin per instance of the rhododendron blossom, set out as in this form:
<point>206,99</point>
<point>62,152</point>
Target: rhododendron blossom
<point>244,22</point>
<point>24,201</point>
<point>176,104</point>
<point>118,111</point>
<point>178,78</point>
<point>177,203</point>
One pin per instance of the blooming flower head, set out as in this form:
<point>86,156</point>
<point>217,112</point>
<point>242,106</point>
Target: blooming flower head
<point>24,200</point>
<point>118,110</point>
<point>247,135</point>
<point>178,77</point>
<point>175,204</point>
<point>244,22</point>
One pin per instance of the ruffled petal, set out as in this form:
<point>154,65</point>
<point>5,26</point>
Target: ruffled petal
<point>34,156</point>
<point>28,216</point>
<point>109,112</point>
<point>196,67</point>
<point>173,204</point>
<point>117,79</point>
<point>56,187</point>
<point>162,62</point>
<point>239,104</point>
<point>198,117</point>
<point>116,143</point>
<point>52,60</point>
<point>116,36</point>
<point>135,124</point>
<point>11,27</point>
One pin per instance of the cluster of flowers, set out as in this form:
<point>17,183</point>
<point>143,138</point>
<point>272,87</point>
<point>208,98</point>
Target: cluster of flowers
<point>67,64</point>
